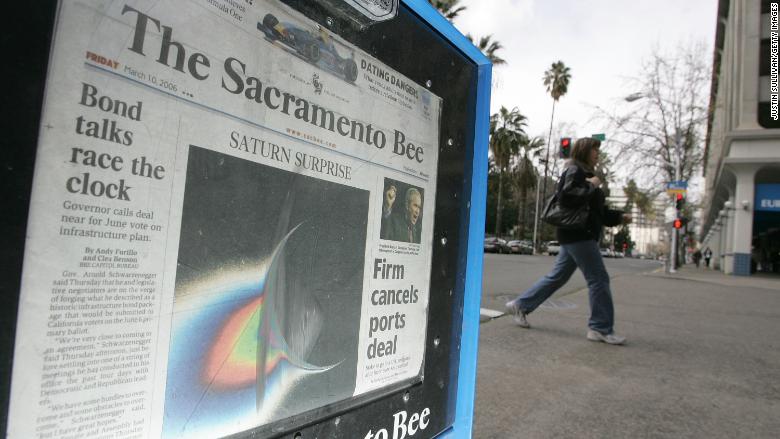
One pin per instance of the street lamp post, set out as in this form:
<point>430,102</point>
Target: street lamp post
<point>677,157</point>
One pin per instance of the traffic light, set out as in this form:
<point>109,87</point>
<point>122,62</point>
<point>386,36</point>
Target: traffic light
<point>678,223</point>
<point>678,201</point>
<point>625,246</point>
<point>565,147</point>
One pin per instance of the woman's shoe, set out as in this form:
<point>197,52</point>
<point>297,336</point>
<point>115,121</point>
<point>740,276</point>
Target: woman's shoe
<point>518,316</point>
<point>606,338</point>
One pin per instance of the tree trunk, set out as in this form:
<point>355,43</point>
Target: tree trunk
<point>498,203</point>
<point>521,211</point>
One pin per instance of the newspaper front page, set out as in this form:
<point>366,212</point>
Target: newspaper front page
<point>231,223</point>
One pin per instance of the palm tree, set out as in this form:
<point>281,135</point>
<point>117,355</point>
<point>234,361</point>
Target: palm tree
<point>631,191</point>
<point>448,8</point>
<point>506,133</point>
<point>489,48</point>
<point>556,80</point>
<point>525,178</point>
<point>604,171</point>
<point>639,198</point>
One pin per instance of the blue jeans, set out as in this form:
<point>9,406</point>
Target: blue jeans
<point>586,256</point>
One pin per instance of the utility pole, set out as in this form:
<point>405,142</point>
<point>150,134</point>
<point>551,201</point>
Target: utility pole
<point>536,216</point>
<point>677,176</point>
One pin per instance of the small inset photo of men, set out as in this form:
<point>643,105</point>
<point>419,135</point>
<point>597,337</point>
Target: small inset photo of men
<point>401,212</point>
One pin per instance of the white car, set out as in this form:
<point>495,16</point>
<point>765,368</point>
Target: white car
<point>553,248</point>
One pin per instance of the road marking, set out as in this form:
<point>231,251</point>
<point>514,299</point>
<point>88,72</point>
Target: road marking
<point>489,314</point>
<point>553,303</point>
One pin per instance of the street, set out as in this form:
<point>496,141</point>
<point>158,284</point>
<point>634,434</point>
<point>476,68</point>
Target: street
<point>505,276</point>
<point>700,361</point>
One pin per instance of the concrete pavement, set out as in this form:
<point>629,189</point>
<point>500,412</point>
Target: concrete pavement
<point>690,272</point>
<point>702,361</point>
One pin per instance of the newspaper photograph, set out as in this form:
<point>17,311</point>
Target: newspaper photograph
<point>231,223</point>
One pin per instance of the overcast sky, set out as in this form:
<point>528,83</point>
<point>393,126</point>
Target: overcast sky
<point>603,42</point>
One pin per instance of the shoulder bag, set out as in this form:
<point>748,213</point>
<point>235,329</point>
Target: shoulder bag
<point>565,217</point>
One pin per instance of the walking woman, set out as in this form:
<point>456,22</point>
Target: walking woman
<point>579,247</point>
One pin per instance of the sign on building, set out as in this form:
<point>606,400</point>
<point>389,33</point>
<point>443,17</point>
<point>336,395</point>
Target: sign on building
<point>767,197</point>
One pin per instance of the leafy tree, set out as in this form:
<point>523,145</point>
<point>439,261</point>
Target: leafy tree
<point>630,190</point>
<point>451,9</point>
<point>623,236</point>
<point>604,171</point>
<point>660,130</point>
<point>639,198</point>
<point>508,207</point>
<point>666,120</point>
<point>506,133</point>
<point>448,8</point>
<point>524,178</point>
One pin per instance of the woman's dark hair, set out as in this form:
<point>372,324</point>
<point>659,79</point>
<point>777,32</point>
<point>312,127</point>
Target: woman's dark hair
<point>582,148</point>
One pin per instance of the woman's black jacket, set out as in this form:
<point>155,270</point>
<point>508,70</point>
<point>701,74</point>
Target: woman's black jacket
<point>574,190</point>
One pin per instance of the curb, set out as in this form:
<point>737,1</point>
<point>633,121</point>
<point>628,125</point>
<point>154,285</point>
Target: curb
<point>728,281</point>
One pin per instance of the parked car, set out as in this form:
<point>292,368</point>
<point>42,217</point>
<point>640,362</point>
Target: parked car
<point>317,48</point>
<point>606,253</point>
<point>553,248</point>
<point>496,245</point>
<point>521,247</point>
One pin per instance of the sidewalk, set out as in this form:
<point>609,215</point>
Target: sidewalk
<point>690,272</point>
<point>702,361</point>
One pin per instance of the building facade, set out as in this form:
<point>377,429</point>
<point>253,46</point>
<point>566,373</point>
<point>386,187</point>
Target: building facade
<point>741,215</point>
<point>647,229</point>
